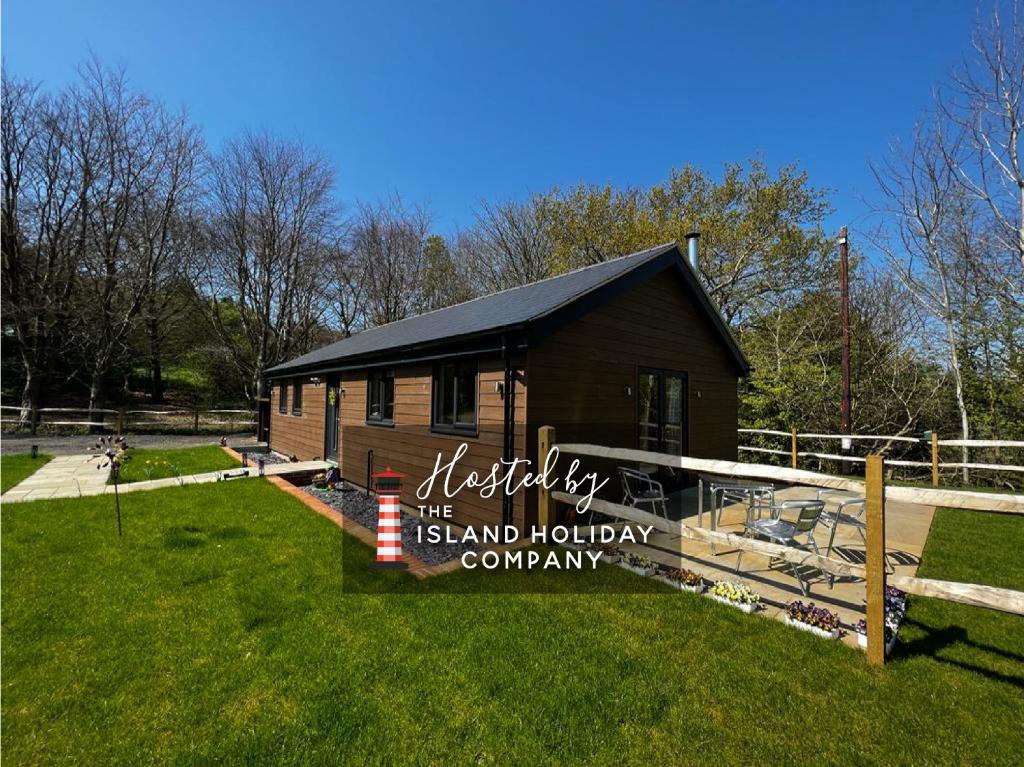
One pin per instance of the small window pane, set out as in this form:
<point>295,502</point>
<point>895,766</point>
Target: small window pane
<point>648,416</point>
<point>446,396</point>
<point>387,396</point>
<point>380,396</point>
<point>297,397</point>
<point>282,403</point>
<point>465,390</point>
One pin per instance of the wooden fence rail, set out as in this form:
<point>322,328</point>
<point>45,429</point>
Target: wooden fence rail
<point>873,488</point>
<point>136,420</point>
<point>932,440</point>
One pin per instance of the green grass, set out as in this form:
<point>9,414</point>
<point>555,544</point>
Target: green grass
<point>15,468</point>
<point>218,630</point>
<point>158,464</point>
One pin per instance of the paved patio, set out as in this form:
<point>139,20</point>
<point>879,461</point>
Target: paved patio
<point>907,528</point>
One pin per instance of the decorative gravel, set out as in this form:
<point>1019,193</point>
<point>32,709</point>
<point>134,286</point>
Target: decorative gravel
<point>357,506</point>
<point>255,452</point>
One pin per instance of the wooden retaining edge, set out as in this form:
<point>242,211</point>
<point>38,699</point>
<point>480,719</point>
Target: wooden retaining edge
<point>1004,600</point>
<point>957,499</point>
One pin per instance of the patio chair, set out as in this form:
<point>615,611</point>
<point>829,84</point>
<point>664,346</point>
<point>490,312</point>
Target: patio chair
<point>849,512</point>
<point>777,529</point>
<point>638,489</point>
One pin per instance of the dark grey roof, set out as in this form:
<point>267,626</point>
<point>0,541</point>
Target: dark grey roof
<point>506,309</point>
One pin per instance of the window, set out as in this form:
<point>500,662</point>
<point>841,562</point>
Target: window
<point>282,403</point>
<point>380,397</point>
<point>454,405</point>
<point>297,396</point>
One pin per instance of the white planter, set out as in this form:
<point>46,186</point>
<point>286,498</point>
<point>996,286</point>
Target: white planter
<point>574,546</point>
<point>741,606</point>
<point>700,588</point>
<point>611,559</point>
<point>833,634</point>
<point>862,640</point>
<point>644,571</point>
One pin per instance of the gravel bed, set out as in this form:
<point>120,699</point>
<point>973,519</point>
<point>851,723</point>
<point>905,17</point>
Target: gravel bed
<point>354,504</point>
<point>255,452</point>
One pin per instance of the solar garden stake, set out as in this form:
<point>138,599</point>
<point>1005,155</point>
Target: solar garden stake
<point>117,497</point>
<point>389,520</point>
<point>116,453</point>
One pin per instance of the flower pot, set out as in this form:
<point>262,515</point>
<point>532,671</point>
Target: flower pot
<point>862,641</point>
<point>644,571</point>
<point>611,559</point>
<point>680,585</point>
<point>833,634</point>
<point>746,607</point>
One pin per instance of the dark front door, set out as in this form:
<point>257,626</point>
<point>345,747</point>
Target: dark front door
<point>661,411</point>
<point>331,418</point>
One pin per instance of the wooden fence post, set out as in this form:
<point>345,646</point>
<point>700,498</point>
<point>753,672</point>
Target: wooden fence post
<point>120,420</point>
<point>545,503</point>
<point>874,476</point>
<point>793,449</point>
<point>935,459</point>
<point>195,428</point>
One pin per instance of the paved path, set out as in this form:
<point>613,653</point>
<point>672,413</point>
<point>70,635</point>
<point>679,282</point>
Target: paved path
<point>66,476</point>
<point>78,476</point>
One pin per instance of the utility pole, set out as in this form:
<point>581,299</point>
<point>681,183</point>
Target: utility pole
<point>844,319</point>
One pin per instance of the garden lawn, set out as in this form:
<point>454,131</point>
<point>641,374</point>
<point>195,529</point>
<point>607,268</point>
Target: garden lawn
<point>15,468</point>
<point>218,630</point>
<point>174,462</point>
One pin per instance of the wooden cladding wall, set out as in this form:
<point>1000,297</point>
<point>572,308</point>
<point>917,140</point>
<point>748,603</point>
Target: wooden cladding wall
<point>409,446</point>
<point>299,435</point>
<point>580,374</point>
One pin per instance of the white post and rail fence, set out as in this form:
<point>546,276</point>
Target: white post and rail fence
<point>873,488</point>
<point>124,420</point>
<point>930,444</point>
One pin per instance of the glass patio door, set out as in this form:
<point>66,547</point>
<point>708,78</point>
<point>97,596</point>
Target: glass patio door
<point>661,411</point>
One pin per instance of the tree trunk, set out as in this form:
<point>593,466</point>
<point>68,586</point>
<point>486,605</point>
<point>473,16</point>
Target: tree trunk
<point>96,394</point>
<point>961,403</point>
<point>156,373</point>
<point>29,401</point>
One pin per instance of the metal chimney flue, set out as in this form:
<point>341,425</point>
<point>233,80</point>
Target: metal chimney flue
<point>691,249</point>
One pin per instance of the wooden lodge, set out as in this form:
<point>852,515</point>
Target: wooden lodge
<point>629,352</point>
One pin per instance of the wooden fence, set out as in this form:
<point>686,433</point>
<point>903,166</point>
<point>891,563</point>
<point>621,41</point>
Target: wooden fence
<point>931,445</point>
<point>873,488</point>
<point>124,420</point>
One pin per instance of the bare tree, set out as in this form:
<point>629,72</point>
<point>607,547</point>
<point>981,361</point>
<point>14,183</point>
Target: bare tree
<point>508,245</point>
<point>931,244</point>
<point>387,242</point>
<point>137,163</point>
<point>986,102</point>
<point>43,192</point>
<point>273,221</point>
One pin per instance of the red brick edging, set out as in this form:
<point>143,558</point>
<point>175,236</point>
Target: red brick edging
<point>418,568</point>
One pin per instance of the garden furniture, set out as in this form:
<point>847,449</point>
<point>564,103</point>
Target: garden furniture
<point>777,529</point>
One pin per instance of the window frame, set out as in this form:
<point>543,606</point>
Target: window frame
<point>297,396</point>
<point>374,378</point>
<point>282,398</point>
<point>457,428</point>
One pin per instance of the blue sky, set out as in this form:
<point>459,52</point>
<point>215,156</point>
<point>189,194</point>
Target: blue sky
<point>449,103</point>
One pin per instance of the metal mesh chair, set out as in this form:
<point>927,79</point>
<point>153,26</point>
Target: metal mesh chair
<point>638,489</point>
<point>785,532</point>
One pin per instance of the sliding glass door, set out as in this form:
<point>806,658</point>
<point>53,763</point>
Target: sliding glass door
<point>661,411</point>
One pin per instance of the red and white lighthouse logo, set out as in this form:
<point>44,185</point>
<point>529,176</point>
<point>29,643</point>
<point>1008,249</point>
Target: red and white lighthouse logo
<point>389,519</point>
